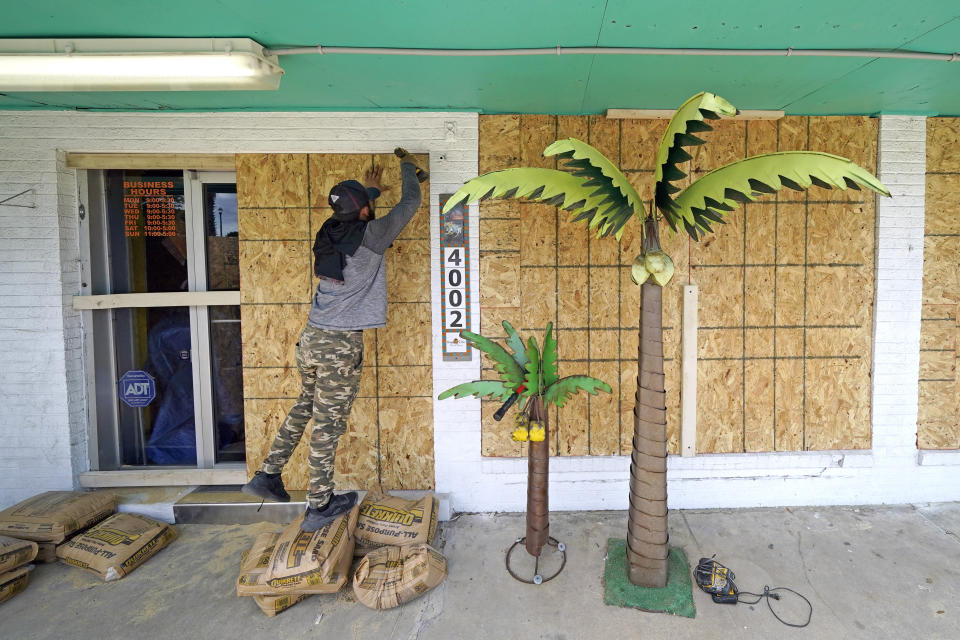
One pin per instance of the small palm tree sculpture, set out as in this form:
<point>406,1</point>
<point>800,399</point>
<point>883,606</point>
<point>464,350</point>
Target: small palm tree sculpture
<point>595,191</point>
<point>531,374</point>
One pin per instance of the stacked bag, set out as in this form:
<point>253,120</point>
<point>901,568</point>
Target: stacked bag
<point>392,535</point>
<point>15,558</point>
<point>108,544</point>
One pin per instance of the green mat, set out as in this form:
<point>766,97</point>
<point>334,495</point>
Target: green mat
<point>675,598</point>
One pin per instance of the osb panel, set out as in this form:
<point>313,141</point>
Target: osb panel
<point>495,439</point>
<point>639,142</point>
<point>500,281</point>
<point>720,296</point>
<point>271,382</point>
<point>406,338</point>
<point>406,443</point>
<point>604,297</point>
<point>538,299</point>
<point>538,234</point>
<point>788,413</point>
<point>406,381</point>
<point>408,271</point>
<point>938,327</point>
<point>262,419</point>
<point>491,320</point>
<point>605,412</point>
<point>939,427</point>
<point>758,407</point>
<point>837,404</point>
<point>275,271</point>
<point>270,332</point>
<point>941,275</point>
<point>723,247</point>
<point>274,224</point>
<point>719,406</point>
<point>573,294</point>
<point>761,221</point>
<point>271,268</point>
<point>499,235</point>
<point>355,466</point>
<point>604,136</point>
<point>327,169</point>
<point>839,295</point>
<point>271,180</point>
<point>943,153</point>
<point>537,132</point>
<point>508,209</point>
<point>499,142</point>
<point>780,306</point>
<point>938,365</point>
<point>573,127</point>
<point>942,204</point>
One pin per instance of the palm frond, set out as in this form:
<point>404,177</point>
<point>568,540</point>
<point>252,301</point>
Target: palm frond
<point>714,194</point>
<point>532,380</point>
<point>563,389</point>
<point>688,120</point>
<point>550,186</point>
<point>510,372</point>
<point>619,201</point>
<point>479,389</point>
<point>515,342</point>
<point>548,360</point>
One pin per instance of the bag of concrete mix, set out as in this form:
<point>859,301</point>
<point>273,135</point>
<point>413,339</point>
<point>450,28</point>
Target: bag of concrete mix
<point>15,553</point>
<point>272,605</point>
<point>46,552</point>
<point>52,516</point>
<point>117,546</point>
<point>298,562</point>
<point>391,576</point>
<point>13,582</point>
<point>389,520</point>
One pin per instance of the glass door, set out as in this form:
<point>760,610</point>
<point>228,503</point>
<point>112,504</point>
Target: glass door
<point>166,351</point>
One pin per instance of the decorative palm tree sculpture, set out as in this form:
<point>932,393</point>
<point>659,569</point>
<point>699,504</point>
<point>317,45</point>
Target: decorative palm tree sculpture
<point>530,374</point>
<point>595,191</point>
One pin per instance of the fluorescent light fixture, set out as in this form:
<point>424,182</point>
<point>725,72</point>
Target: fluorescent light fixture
<point>136,64</point>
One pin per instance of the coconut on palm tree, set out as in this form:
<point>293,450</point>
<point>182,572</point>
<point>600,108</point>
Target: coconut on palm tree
<point>596,192</point>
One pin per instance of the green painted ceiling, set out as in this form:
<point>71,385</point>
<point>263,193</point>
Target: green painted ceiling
<point>542,84</point>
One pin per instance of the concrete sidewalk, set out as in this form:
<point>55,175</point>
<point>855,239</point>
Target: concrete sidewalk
<point>870,572</point>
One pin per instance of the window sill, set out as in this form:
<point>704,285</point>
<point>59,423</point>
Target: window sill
<point>225,475</point>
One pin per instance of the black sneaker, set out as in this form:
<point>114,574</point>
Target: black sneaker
<point>267,486</point>
<point>317,518</point>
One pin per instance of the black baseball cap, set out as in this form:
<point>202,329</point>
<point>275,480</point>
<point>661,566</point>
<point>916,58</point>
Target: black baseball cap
<point>349,196</point>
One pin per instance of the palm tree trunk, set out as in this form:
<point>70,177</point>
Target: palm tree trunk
<point>647,516</point>
<point>538,474</point>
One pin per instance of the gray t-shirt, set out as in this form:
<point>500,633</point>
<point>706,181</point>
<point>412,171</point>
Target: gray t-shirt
<point>360,301</point>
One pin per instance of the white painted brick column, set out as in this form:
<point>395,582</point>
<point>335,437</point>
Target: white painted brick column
<point>899,290</point>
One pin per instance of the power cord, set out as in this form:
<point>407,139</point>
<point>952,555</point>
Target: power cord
<point>717,580</point>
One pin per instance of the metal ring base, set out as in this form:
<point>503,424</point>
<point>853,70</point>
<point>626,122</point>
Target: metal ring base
<point>537,577</point>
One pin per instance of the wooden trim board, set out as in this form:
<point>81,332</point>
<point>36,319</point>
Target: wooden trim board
<point>171,299</point>
<point>666,114</point>
<point>202,161</point>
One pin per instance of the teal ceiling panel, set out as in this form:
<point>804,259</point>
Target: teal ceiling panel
<point>533,84</point>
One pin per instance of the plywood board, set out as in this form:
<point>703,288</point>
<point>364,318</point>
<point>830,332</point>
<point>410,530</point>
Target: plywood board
<point>328,169</point>
<point>274,224</point>
<point>499,142</point>
<point>275,271</point>
<point>406,443</point>
<point>500,280</point>
<point>943,154</point>
<point>491,320</point>
<point>408,271</point>
<point>270,332</point>
<point>261,383</point>
<point>262,419</point>
<point>406,338</point>
<point>537,132</point>
<point>499,235</point>
<point>941,269</point>
<point>412,381</point>
<point>495,439</point>
<point>605,411</point>
<point>837,411</point>
<point>271,180</point>
<point>719,406</point>
<point>538,234</point>
<point>756,318</point>
<point>355,466</point>
<point>942,204</point>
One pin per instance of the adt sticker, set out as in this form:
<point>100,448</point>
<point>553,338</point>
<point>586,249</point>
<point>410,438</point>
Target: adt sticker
<point>137,388</point>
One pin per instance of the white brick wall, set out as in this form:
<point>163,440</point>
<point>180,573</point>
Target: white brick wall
<point>43,423</point>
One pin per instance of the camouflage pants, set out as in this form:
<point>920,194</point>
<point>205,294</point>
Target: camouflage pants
<point>330,363</point>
